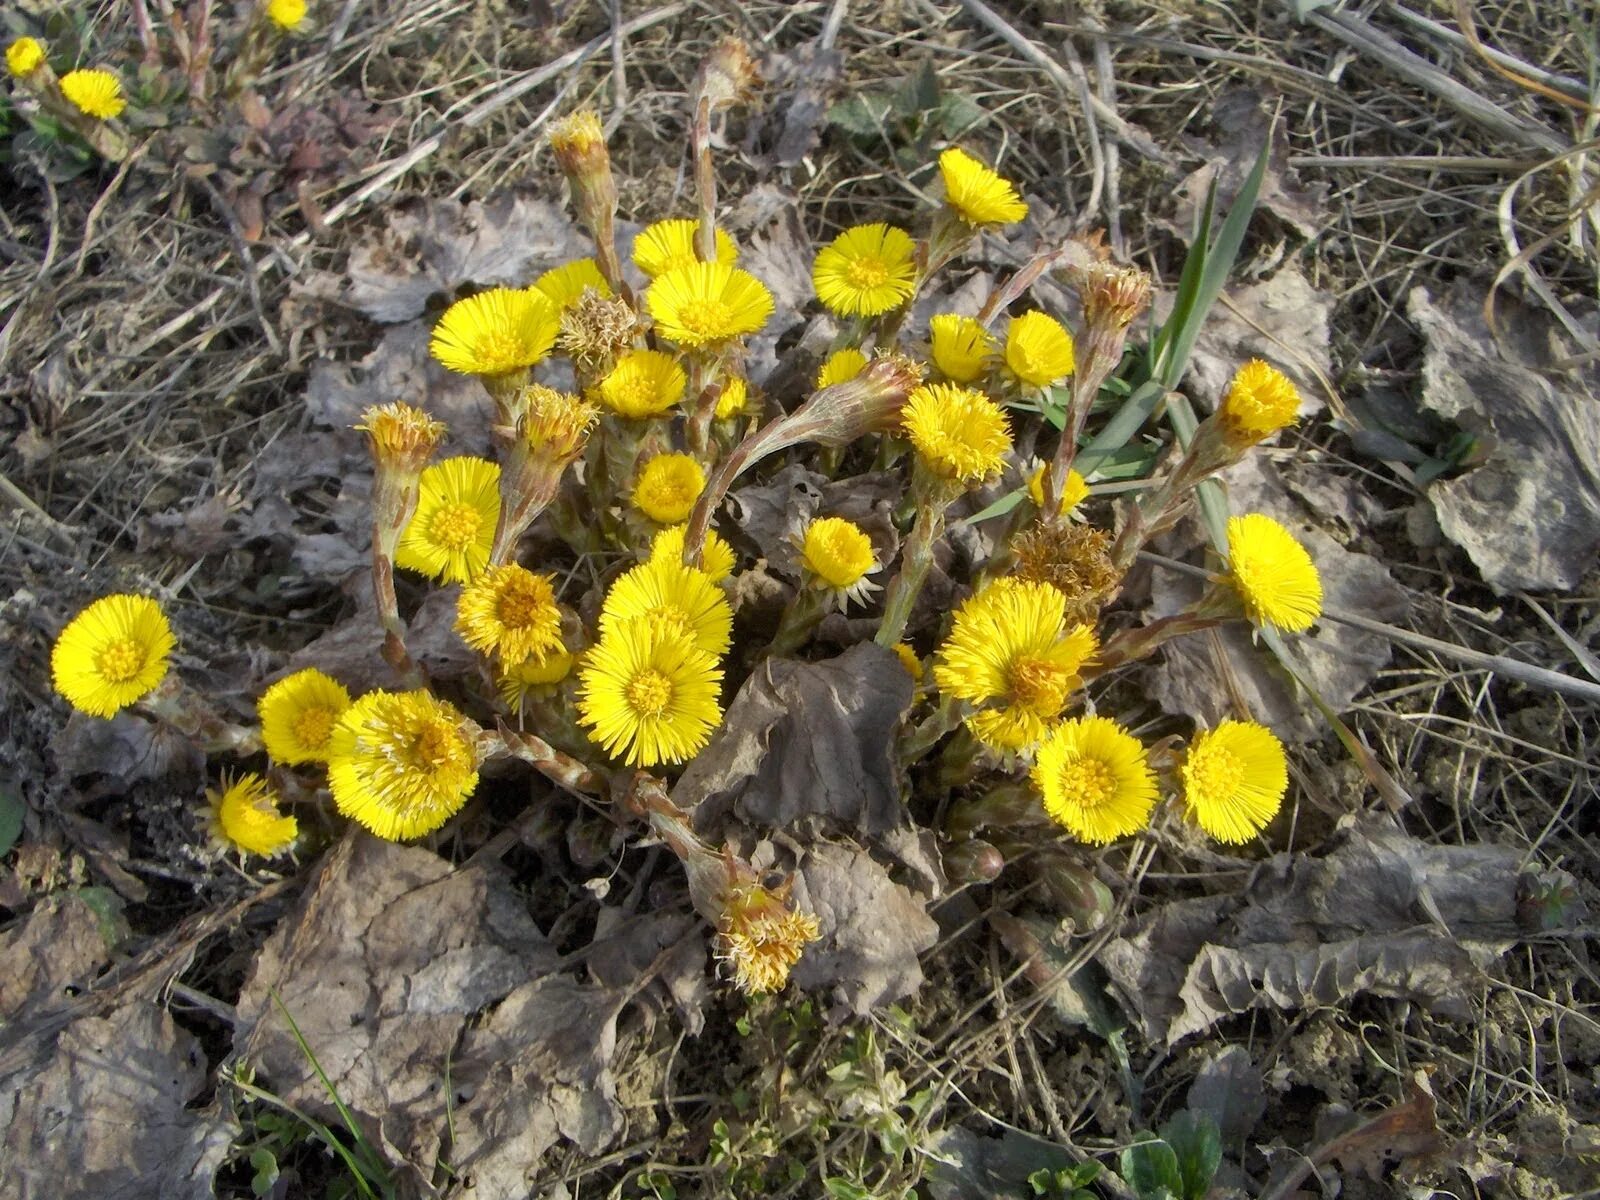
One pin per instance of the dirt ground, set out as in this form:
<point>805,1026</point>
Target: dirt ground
<point>175,329</point>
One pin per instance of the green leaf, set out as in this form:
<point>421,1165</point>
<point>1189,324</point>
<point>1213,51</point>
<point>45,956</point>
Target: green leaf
<point>11,812</point>
<point>1197,1142</point>
<point>920,93</point>
<point>266,1170</point>
<point>957,114</point>
<point>864,115</point>
<point>1151,1169</point>
<point>843,1189</point>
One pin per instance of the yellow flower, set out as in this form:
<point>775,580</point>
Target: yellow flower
<point>510,614</point>
<point>496,332</point>
<point>761,937</point>
<point>401,436</point>
<point>24,56</point>
<point>978,195</point>
<point>716,556</point>
<point>649,694</point>
<point>667,488</point>
<point>564,286</point>
<point>960,434</point>
<point>677,598</point>
<point>909,660</point>
<point>961,347</point>
<point>401,764</point>
<point>245,816</point>
<point>1038,350</point>
<point>842,366</point>
<point>555,424</point>
<point>1010,645</point>
<point>1260,401</point>
<point>94,93</point>
<point>705,304</point>
<point>452,531</point>
<point>668,245</point>
<point>517,683</point>
<point>298,714</point>
<point>734,399</point>
<point>111,653</point>
<point>1074,494</point>
<point>288,15</point>
<point>1234,777</point>
<point>838,553</point>
<point>644,383</point>
<point>866,270</point>
<point>1095,779</point>
<point>1274,577</point>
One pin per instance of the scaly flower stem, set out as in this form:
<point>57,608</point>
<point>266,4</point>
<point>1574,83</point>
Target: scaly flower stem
<point>916,557</point>
<point>705,183</point>
<point>799,622</point>
<point>1130,645</point>
<point>394,631</point>
<point>560,769</point>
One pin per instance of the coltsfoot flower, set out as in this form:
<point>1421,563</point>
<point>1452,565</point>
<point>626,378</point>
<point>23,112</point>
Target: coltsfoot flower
<point>960,346</point>
<point>1038,350</point>
<point>287,15</point>
<point>707,304</point>
<point>960,434</point>
<point>111,654</point>
<point>1234,778</point>
<point>451,534</point>
<point>496,332</point>
<point>839,555</point>
<point>564,286</point>
<point>648,694</point>
<point>401,764</point>
<point>841,367</point>
<point>716,557</point>
<point>644,383</point>
<point>668,245</point>
<point>24,56</point>
<point>94,92</point>
<point>977,194</point>
<point>1260,401</point>
<point>1095,779</point>
<point>866,270</point>
<point>245,816</point>
<point>667,488</point>
<point>510,614</point>
<point>517,684</point>
<point>554,425</point>
<point>401,436</point>
<point>761,937</point>
<point>297,715</point>
<point>1273,576</point>
<point>679,599</point>
<point>735,398</point>
<point>1073,494</point>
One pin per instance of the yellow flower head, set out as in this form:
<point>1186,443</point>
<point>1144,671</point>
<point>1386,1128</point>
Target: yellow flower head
<point>866,270</point>
<point>496,332</point>
<point>516,684</point>
<point>706,304</point>
<point>24,56</point>
<point>452,531</point>
<point>298,714</point>
<point>552,423</point>
<point>677,598</point>
<point>111,653</point>
<point>909,660</point>
<point>648,694</point>
<point>510,614</point>
<point>961,347</point>
<point>1038,350</point>
<point>245,816</point>
<point>1074,494</point>
<point>716,556</point>
<point>977,194</point>
<point>94,92</point>
<point>401,436</point>
<point>564,286</point>
<point>839,555</point>
<point>1274,577</point>
<point>761,937</point>
<point>668,245</point>
<point>667,488</point>
<point>578,141</point>
<point>959,433</point>
<point>842,366</point>
<point>644,383</point>
<point>1260,401</point>
<point>288,15</point>
<point>1234,777</point>
<point>401,764</point>
<point>1010,646</point>
<point>735,398</point>
<point>1095,779</point>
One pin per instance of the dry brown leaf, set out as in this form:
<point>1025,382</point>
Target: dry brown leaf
<point>1229,1087</point>
<point>773,515</point>
<point>125,747</point>
<point>351,651</point>
<point>789,126</point>
<point>47,958</point>
<point>1403,1132</point>
<point>669,949</point>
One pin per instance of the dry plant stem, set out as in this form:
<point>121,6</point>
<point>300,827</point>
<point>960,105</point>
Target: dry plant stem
<point>200,57</point>
<point>559,768</point>
<point>151,48</point>
<point>1130,645</point>
<point>705,183</point>
<point>697,431</point>
<point>1023,279</point>
<point>915,559</point>
<point>394,631</point>
<point>174,704</point>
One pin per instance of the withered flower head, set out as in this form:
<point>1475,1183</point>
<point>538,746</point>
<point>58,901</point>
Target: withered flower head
<point>579,142</point>
<point>728,76</point>
<point>595,330</point>
<point>402,436</point>
<point>1112,296</point>
<point>1075,558</point>
<point>761,936</point>
<point>555,423</point>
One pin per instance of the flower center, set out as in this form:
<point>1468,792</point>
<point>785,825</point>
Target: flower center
<point>455,526</point>
<point>649,692</point>
<point>521,603</point>
<point>499,350</point>
<point>866,273</point>
<point>1088,782</point>
<point>120,661</point>
<point>1215,773</point>
<point>708,318</point>
<point>312,727</point>
<point>673,493</point>
<point>636,393</point>
<point>840,559</point>
<point>1039,686</point>
<point>436,747</point>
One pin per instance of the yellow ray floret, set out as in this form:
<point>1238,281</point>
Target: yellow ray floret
<point>977,194</point>
<point>961,347</point>
<point>1072,495</point>
<point>866,270</point>
<point>706,304</point>
<point>451,534</point>
<point>94,92</point>
<point>24,56</point>
<point>564,286</point>
<point>839,555</point>
<point>1038,350</point>
<point>554,424</point>
<point>402,437</point>
<point>667,245</point>
<point>735,398</point>
<point>1010,647</point>
<point>510,614</point>
<point>288,15</point>
<point>401,764</point>
<point>644,383</point>
<point>716,556</point>
<point>648,695</point>
<point>959,433</point>
<point>680,599</point>
<point>667,488</point>
<point>841,367</point>
<point>245,816</point>
<point>761,937</point>
<point>1260,401</point>
<point>496,332</point>
<point>1274,577</point>
<point>298,714</point>
<point>1095,779</point>
<point>111,653</point>
<point>909,660</point>
<point>1234,778</point>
